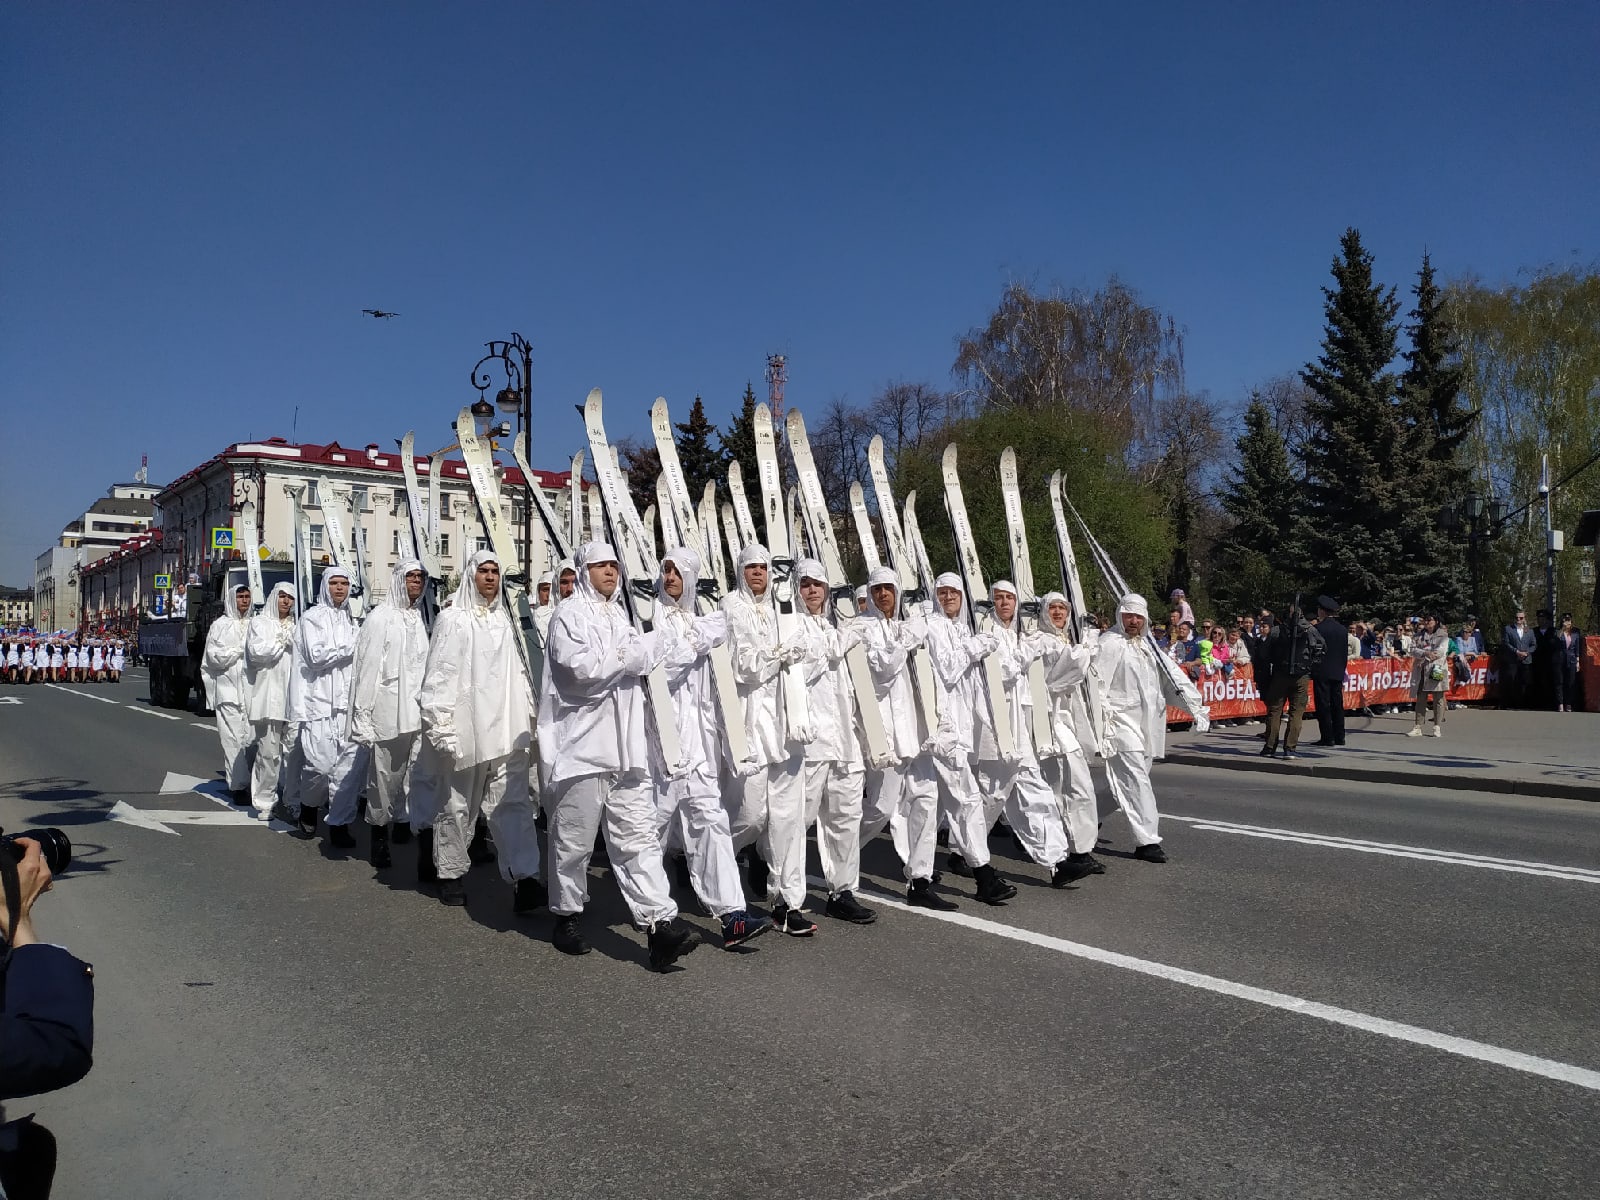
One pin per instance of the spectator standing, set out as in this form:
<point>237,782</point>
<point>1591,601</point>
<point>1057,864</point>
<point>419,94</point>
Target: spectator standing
<point>1544,692</point>
<point>1327,675</point>
<point>1430,675</point>
<point>1570,640</point>
<point>1294,647</point>
<point>1180,602</point>
<point>1238,651</point>
<point>1517,646</point>
<point>1471,637</point>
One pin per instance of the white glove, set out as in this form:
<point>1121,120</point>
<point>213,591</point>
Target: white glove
<point>791,653</point>
<point>444,741</point>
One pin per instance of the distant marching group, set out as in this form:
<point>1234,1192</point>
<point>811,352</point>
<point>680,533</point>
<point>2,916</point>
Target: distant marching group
<point>29,658</point>
<point>641,699</point>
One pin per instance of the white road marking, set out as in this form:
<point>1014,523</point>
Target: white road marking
<point>153,712</point>
<point>208,728</point>
<point>86,695</point>
<point>1465,1047</point>
<point>1392,849</point>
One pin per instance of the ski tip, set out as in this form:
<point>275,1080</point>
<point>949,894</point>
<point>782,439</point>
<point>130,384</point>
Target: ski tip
<point>793,420</point>
<point>1055,481</point>
<point>875,446</point>
<point>592,400</point>
<point>1008,459</point>
<point>950,457</point>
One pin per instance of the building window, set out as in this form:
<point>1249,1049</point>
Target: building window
<point>316,537</point>
<point>313,496</point>
<point>358,498</point>
<point>444,545</point>
<point>394,541</point>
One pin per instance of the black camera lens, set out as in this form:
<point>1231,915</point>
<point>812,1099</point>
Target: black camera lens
<point>55,845</point>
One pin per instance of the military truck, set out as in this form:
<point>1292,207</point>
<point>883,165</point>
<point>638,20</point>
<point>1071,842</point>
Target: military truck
<point>172,646</point>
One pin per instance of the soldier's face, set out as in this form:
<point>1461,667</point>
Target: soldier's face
<point>414,584</point>
<point>671,581</point>
<point>1005,606</point>
<point>949,601</point>
<point>338,589</point>
<point>884,596</point>
<point>1132,624</point>
<point>568,578</point>
<point>603,578</point>
<point>285,604</point>
<point>544,592</point>
<point>241,600</point>
<point>815,593</point>
<point>755,578</point>
<point>487,580</point>
<point>1058,614</point>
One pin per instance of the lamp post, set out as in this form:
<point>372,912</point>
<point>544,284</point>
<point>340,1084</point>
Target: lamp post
<point>514,357</point>
<point>1474,520</point>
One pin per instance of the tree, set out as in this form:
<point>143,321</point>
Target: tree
<point>1260,558</point>
<point>1358,486</point>
<point>702,462</point>
<point>739,442</point>
<point>1189,441</point>
<point>1438,425</point>
<point>642,465</point>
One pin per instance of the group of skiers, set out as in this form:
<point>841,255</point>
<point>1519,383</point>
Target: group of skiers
<point>445,736</point>
<point>64,659</point>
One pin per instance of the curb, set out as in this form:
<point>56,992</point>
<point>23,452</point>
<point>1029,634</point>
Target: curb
<point>1431,779</point>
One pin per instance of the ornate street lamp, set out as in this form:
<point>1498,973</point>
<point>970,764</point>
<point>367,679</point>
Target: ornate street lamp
<point>513,359</point>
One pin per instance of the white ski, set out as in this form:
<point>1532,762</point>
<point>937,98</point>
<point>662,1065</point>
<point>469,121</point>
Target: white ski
<point>785,587</point>
<point>333,514</point>
<point>977,593</point>
<point>1044,740</point>
<point>434,543</point>
<point>741,506</point>
<point>900,560</point>
<point>575,504</point>
<point>1073,587</point>
<point>863,523</point>
<point>558,545</point>
<point>820,522</point>
<point>251,549</point>
<point>628,530</point>
<point>711,536</point>
<point>730,526</point>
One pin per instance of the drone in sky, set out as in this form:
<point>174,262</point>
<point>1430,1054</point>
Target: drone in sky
<point>380,313</point>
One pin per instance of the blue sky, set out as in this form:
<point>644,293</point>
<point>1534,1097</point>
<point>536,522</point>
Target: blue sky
<point>198,199</point>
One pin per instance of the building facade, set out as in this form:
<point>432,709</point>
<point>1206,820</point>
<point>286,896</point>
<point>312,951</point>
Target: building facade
<point>368,484</point>
<point>16,608</point>
<point>56,600</point>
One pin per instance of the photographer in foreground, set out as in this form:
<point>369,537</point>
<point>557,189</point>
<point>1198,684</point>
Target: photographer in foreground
<point>46,1017</point>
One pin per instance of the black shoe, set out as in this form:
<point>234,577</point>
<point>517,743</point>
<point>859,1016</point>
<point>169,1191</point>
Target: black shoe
<point>427,871</point>
<point>845,907</point>
<point>380,846</point>
<point>308,821</point>
<point>1291,754</point>
<point>795,923</point>
<point>453,892</point>
<point>567,938</point>
<point>942,838</point>
<point>760,875</point>
<point>528,897</point>
<point>992,889</point>
<point>281,812</point>
<point>669,942</point>
<point>958,865</point>
<point>1070,871</point>
<point>1096,867</point>
<point>1268,750</point>
<point>1151,852</point>
<point>399,833</point>
<point>340,836</point>
<point>921,895</point>
<point>480,849</point>
<point>241,798</point>
<point>739,927</point>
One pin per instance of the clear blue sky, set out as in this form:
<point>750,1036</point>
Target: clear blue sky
<point>198,199</point>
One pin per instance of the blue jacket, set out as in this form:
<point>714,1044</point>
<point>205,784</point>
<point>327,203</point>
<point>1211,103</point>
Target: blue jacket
<point>47,1026</point>
<point>1515,642</point>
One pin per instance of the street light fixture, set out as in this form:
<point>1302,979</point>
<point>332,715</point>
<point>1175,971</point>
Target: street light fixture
<point>513,357</point>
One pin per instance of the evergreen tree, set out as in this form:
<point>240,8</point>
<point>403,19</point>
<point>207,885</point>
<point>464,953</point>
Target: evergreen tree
<point>1359,490</point>
<point>739,442</point>
<point>702,462</point>
<point>1261,558</point>
<point>1438,425</point>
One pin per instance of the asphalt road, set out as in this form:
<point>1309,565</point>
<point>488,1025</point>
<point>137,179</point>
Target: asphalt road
<point>1331,990</point>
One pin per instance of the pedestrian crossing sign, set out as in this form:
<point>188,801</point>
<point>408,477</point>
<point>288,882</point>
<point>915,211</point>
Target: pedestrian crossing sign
<point>222,537</point>
<point>162,582</point>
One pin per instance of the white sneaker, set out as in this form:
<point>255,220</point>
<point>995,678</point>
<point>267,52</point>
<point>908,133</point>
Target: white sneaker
<point>1436,731</point>
<point>1414,731</point>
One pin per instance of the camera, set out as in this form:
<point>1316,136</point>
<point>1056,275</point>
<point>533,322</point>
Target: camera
<point>55,845</point>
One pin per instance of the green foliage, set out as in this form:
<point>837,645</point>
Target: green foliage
<point>739,441</point>
<point>1261,558</point>
<point>1124,515</point>
<point>702,461</point>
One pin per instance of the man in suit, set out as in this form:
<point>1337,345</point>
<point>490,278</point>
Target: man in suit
<point>1327,675</point>
<point>1517,645</point>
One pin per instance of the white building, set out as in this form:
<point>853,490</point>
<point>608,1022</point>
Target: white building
<point>56,603</point>
<point>119,586</point>
<point>16,607</point>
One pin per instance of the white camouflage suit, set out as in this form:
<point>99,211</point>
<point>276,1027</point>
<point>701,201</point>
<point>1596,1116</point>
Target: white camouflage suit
<point>594,742</point>
<point>223,667</point>
<point>335,767</point>
<point>476,707</point>
<point>385,713</point>
<point>1136,696</point>
<point>269,649</point>
<point>1067,771</point>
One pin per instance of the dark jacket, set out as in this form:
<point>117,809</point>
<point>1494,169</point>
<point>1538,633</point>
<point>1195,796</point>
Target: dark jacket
<point>47,1027</point>
<point>1260,663</point>
<point>1289,648</point>
<point>1513,642</point>
<point>1331,668</point>
<point>1573,654</point>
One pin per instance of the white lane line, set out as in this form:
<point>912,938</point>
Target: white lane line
<point>202,724</point>
<point>153,712</point>
<point>75,692</point>
<point>1514,1060</point>
<point>1392,849</point>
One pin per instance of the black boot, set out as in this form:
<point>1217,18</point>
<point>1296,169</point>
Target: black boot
<point>453,892</point>
<point>400,833</point>
<point>992,889</point>
<point>760,876</point>
<point>1071,869</point>
<point>480,849</point>
<point>568,938</point>
<point>529,896</point>
<point>921,895</point>
<point>340,836</point>
<point>308,821</point>
<point>958,865</point>
<point>669,942</point>
<point>380,846</point>
<point>427,873</point>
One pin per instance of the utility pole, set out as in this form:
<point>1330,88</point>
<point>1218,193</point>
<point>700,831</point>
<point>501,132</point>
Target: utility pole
<point>1552,540</point>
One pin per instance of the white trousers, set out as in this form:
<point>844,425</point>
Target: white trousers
<point>961,805</point>
<point>391,776</point>
<point>834,793</point>
<point>1129,776</point>
<point>238,735</point>
<point>268,765</point>
<point>499,790</point>
<point>911,790</point>
<point>334,770</point>
<point>623,807</point>
<point>772,807</point>
<point>1030,808</point>
<point>294,768</point>
<point>690,810</point>
<point>1069,778</point>
<point>428,786</point>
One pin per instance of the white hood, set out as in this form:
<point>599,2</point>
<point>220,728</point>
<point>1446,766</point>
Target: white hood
<point>688,564</point>
<point>755,552</point>
<point>591,554</point>
<point>1005,585</point>
<point>322,588</point>
<point>1045,623</point>
<point>397,581</point>
<point>950,580</point>
<point>271,607</point>
<point>883,575</point>
<point>467,597</point>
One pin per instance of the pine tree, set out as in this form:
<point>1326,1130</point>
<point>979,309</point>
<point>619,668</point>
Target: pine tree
<point>1358,490</point>
<point>1261,558</point>
<point>702,462</point>
<point>739,442</point>
<point>1438,425</point>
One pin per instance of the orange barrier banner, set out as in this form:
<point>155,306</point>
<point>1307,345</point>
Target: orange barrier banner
<point>1366,681</point>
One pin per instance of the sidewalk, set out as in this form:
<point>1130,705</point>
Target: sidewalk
<point>1485,750</point>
